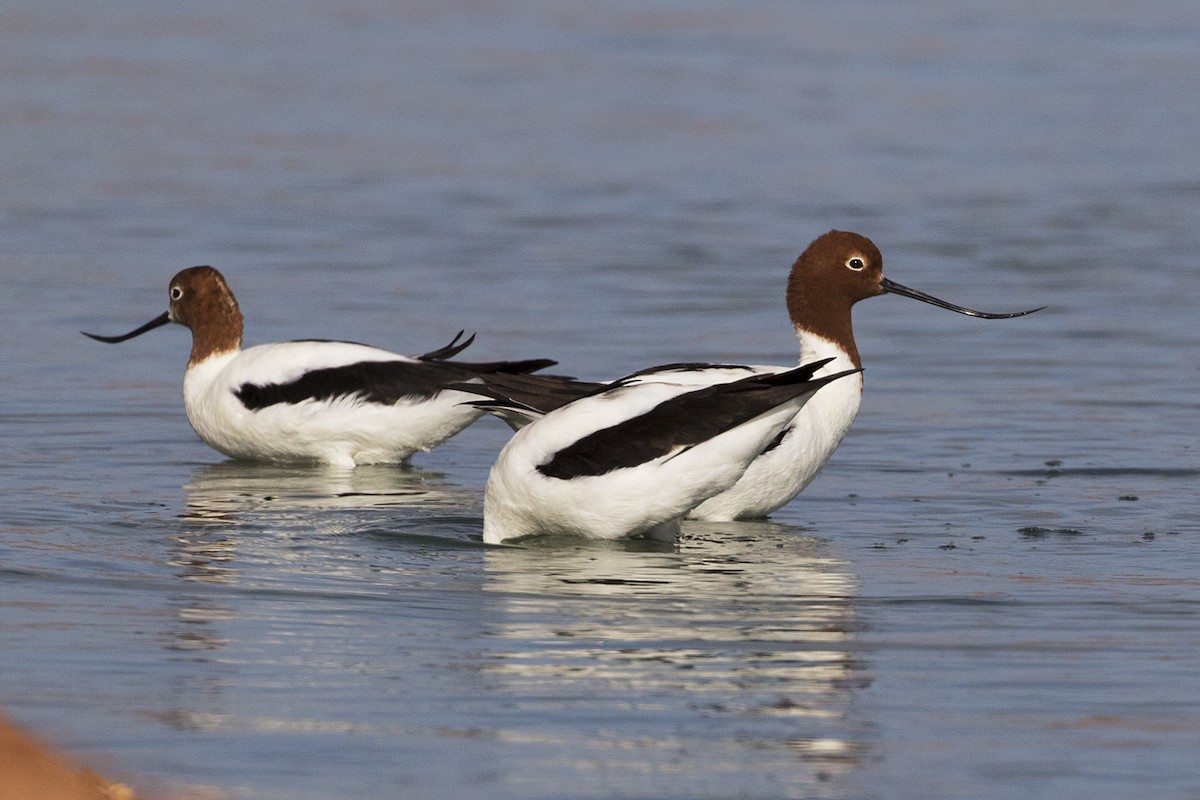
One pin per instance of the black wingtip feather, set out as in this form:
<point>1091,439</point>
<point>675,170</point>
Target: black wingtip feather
<point>524,367</point>
<point>496,403</point>
<point>450,350</point>
<point>540,393</point>
<point>804,372</point>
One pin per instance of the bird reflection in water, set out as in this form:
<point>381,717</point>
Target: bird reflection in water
<point>737,649</point>
<point>225,490</point>
<point>246,533</point>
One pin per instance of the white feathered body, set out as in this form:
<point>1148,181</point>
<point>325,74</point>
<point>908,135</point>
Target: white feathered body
<point>647,499</point>
<point>342,431</point>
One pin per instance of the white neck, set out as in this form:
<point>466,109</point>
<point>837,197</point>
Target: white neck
<point>814,348</point>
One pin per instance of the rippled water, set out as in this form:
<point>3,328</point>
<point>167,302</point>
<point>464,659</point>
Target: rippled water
<point>992,590</point>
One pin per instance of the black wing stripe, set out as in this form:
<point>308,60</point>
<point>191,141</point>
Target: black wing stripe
<point>384,382</point>
<point>679,423</point>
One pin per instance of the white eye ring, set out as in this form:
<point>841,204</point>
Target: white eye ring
<point>176,293</point>
<point>857,264</point>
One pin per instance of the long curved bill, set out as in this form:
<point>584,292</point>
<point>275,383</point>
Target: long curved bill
<point>157,322</point>
<point>894,288</point>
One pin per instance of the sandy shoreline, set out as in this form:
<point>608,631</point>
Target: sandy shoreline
<point>31,769</point>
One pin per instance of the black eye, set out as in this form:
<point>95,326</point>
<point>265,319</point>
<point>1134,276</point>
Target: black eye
<point>176,293</point>
<point>856,263</point>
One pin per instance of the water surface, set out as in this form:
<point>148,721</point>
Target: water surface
<point>991,591</point>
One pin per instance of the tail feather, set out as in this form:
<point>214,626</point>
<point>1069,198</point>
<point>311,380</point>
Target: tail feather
<point>450,350</point>
<point>541,393</point>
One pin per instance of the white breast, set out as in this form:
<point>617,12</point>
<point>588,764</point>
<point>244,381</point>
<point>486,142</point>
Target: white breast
<point>781,473</point>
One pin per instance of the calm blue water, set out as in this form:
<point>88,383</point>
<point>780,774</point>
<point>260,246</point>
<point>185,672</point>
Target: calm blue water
<point>992,591</point>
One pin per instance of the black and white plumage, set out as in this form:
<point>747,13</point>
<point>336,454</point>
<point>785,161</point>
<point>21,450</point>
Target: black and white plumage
<point>834,272</point>
<point>313,400</point>
<point>631,458</point>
